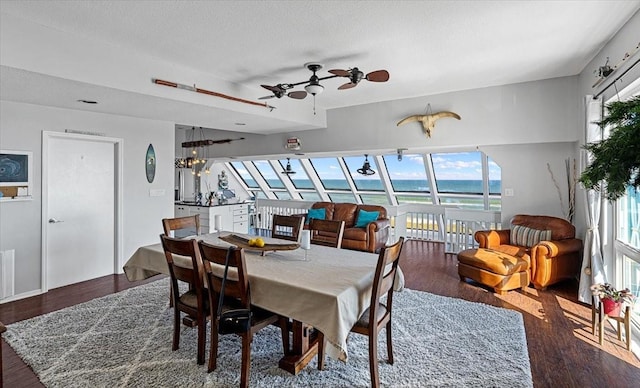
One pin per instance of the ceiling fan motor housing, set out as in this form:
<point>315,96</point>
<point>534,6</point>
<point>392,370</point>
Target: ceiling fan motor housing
<point>356,75</point>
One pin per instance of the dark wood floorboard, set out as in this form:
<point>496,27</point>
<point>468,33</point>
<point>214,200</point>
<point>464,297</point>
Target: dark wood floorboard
<point>562,350</point>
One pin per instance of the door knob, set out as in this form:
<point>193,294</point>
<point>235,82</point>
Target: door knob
<point>54,221</point>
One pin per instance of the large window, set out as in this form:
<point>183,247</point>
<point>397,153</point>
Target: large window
<point>628,244</point>
<point>469,180</point>
<point>627,231</point>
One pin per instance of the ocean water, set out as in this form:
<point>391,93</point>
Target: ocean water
<point>404,185</point>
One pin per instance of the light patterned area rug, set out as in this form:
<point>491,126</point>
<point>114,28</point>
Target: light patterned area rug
<point>124,340</point>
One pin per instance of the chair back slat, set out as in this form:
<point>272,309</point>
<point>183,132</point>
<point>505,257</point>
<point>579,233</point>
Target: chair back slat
<point>386,269</point>
<point>185,264</point>
<point>237,283</point>
<point>287,227</point>
<point>326,232</point>
<point>189,226</point>
<point>188,249</point>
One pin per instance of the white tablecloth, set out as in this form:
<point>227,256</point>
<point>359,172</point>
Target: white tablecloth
<point>329,291</point>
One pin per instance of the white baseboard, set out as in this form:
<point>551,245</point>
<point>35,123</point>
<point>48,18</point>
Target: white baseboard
<point>21,296</point>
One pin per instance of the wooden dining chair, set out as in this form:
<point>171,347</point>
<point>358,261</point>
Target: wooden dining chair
<point>2,330</point>
<point>326,232</point>
<point>181,227</point>
<point>189,226</point>
<point>378,315</point>
<point>287,227</point>
<point>195,301</point>
<point>237,295</point>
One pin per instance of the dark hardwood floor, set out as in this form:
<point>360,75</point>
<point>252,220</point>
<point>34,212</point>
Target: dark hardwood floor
<point>562,350</point>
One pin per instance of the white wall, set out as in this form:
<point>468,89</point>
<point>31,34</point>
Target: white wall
<point>21,127</point>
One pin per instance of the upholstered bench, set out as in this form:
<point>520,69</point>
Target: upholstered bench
<point>501,271</point>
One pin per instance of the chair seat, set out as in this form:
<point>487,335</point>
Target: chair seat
<point>364,318</point>
<point>190,299</point>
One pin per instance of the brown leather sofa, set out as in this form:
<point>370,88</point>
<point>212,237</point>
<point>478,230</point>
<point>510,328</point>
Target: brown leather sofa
<point>370,238</point>
<point>550,261</point>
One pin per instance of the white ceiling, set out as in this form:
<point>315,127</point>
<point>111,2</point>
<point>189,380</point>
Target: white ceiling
<point>428,47</point>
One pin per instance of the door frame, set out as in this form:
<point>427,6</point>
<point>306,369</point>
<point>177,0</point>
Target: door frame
<point>118,196</point>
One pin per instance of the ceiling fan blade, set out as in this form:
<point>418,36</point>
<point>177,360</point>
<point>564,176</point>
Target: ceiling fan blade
<point>298,94</point>
<point>340,73</point>
<point>266,97</point>
<point>378,76</point>
<point>348,85</point>
<point>272,88</point>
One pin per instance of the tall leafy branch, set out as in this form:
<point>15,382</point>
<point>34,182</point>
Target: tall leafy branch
<point>616,159</point>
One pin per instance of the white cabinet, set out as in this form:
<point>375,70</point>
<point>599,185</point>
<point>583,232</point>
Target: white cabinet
<point>233,218</point>
<point>240,218</point>
<point>181,211</point>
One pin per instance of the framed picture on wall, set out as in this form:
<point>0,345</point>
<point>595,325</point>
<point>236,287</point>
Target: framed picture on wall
<point>16,174</point>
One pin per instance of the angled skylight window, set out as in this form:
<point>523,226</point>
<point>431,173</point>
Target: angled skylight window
<point>300,179</point>
<point>244,174</point>
<point>342,197</point>
<point>271,177</point>
<point>330,174</point>
<point>407,175</point>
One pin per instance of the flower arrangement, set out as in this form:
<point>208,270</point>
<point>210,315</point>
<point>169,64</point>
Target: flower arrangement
<point>607,291</point>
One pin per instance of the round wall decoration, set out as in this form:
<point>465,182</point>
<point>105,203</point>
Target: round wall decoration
<point>150,163</point>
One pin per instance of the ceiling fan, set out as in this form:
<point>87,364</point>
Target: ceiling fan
<point>313,86</point>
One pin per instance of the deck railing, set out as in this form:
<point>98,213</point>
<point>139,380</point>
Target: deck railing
<point>444,223</point>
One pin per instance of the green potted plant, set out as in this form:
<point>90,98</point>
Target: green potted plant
<point>616,159</point>
<point>611,298</point>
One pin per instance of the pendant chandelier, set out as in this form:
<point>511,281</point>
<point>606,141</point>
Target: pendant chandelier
<point>366,167</point>
<point>288,170</point>
<point>198,154</point>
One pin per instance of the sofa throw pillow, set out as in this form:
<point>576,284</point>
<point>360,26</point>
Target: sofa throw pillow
<point>364,217</point>
<point>528,237</point>
<point>315,213</point>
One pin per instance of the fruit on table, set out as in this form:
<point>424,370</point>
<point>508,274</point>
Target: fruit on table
<point>256,242</point>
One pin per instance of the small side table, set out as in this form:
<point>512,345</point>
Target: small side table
<point>598,318</point>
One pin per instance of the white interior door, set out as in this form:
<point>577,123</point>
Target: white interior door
<point>80,210</point>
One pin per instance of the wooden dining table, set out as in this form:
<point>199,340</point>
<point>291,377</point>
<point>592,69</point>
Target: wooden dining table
<point>323,289</point>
